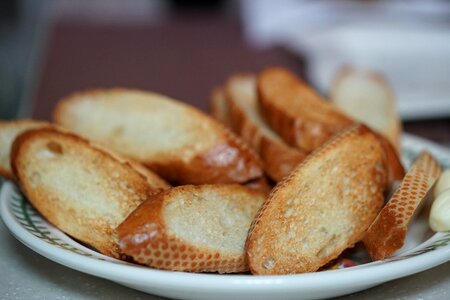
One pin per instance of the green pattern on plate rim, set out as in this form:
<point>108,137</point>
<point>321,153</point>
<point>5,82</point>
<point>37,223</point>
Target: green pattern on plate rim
<point>32,221</point>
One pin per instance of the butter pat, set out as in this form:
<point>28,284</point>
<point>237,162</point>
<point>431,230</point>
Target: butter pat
<point>440,212</point>
<point>442,184</point>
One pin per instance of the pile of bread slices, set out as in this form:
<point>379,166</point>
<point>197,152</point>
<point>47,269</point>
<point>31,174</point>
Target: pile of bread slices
<point>277,181</point>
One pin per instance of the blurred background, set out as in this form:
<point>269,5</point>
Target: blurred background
<point>50,48</point>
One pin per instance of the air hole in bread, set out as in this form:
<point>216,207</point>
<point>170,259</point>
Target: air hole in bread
<point>326,248</point>
<point>118,131</point>
<point>50,150</point>
<point>269,263</point>
<point>55,148</point>
<point>35,180</point>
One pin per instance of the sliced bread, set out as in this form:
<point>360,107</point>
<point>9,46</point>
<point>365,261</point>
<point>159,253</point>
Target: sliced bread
<point>322,208</point>
<point>295,111</point>
<point>388,232</point>
<point>177,141</point>
<point>192,228</point>
<point>279,159</point>
<point>368,98</point>
<point>9,130</point>
<point>80,188</point>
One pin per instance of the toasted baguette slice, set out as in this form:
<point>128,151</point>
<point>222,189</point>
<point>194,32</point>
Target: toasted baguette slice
<point>192,228</point>
<point>9,130</point>
<point>387,233</point>
<point>294,110</point>
<point>219,108</point>
<point>322,208</point>
<point>175,140</point>
<point>279,159</point>
<point>368,98</point>
<point>83,190</point>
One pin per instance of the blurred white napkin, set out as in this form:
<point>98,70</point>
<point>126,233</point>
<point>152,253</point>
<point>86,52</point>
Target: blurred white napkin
<point>407,41</point>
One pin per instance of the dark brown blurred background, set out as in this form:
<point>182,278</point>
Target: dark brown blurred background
<point>179,48</point>
<point>183,58</point>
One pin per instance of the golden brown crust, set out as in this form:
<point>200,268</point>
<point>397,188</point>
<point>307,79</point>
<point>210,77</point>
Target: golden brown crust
<point>95,228</point>
<point>6,174</point>
<point>301,117</point>
<point>218,107</point>
<point>395,170</point>
<point>220,164</point>
<point>278,158</point>
<point>387,233</point>
<point>231,161</point>
<point>306,223</point>
<point>145,236</point>
<point>228,160</point>
<point>8,131</point>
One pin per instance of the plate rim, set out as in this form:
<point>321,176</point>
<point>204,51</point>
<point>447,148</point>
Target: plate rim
<point>368,274</point>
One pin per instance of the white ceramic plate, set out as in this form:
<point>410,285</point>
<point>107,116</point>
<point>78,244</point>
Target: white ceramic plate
<point>422,250</point>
